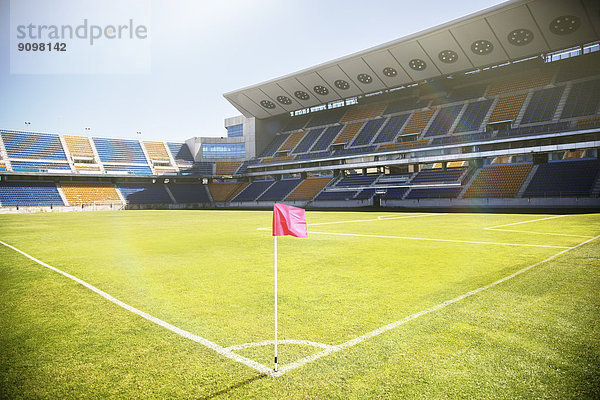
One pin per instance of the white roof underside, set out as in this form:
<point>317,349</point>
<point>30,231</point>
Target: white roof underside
<point>512,30</point>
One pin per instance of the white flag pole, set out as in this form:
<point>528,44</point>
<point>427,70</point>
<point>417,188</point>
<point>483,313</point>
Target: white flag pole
<point>275,303</point>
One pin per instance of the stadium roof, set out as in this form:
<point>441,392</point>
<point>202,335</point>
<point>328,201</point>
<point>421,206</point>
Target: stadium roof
<point>510,31</point>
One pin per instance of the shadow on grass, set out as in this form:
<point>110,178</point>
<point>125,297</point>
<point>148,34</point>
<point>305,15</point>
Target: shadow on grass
<point>232,387</point>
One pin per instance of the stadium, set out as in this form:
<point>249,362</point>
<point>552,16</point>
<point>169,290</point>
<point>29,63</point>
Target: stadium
<point>451,183</point>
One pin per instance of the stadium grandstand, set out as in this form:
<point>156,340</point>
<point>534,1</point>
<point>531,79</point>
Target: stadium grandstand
<point>500,109</point>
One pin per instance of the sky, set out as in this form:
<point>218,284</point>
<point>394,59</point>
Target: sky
<point>197,50</point>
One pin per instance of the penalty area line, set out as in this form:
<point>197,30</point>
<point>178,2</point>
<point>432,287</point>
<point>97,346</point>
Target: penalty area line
<point>528,221</point>
<point>439,240</point>
<point>393,325</point>
<point>188,335</point>
<point>496,228</point>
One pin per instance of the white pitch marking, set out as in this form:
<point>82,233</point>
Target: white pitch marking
<point>283,341</point>
<point>495,228</point>
<point>379,218</point>
<point>439,240</point>
<point>211,345</point>
<point>526,222</point>
<point>398,323</point>
<point>538,233</point>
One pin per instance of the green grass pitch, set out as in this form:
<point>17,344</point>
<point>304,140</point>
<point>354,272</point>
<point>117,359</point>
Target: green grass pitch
<point>210,273</point>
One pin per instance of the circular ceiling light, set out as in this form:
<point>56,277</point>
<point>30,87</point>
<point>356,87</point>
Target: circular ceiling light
<point>364,78</point>
<point>448,56</point>
<point>417,64</point>
<point>301,95</point>
<point>341,84</point>
<point>322,90</point>
<point>482,47</point>
<point>390,72</point>
<point>565,24</point>
<point>284,100</point>
<point>267,104</point>
<point>520,37</point>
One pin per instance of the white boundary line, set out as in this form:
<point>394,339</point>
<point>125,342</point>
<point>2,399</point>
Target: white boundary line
<point>205,342</point>
<point>393,325</point>
<point>495,228</point>
<point>526,222</point>
<point>538,233</point>
<point>439,240</point>
<point>380,218</point>
<point>328,349</point>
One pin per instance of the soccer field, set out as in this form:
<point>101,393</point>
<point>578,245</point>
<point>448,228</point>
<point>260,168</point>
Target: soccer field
<point>371,305</point>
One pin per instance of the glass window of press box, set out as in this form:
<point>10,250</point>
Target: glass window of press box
<point>235,131</point>
<point>224,150</point>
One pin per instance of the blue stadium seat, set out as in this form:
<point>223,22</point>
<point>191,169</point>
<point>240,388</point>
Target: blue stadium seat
<point>473,116</point>
<point>29,194</point>
<point>181,153</point>
<point>253,191</point>
<point>120,151</point>
<point>336,195</point>
<point>542,105</point>
<point>394,193</point>
<point>42,146</point>
<point>279,190</point>
<point>189,193</point>
<point>584,99</point>
<point>563,179</point>
<point>368,131</point>
<point>275,144</point>
<point>438,175</point>
<point>144,193</point>
<point>391,128</point>
<point>365,194</point>
<point>357,180</point>
<point>444,120</point>
<point>37,166</point>
<point>308,140</point>
<point>245,165</point>
<point>326,138</point>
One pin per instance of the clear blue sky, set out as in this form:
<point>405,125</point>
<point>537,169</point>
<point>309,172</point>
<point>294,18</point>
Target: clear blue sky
<point>202,49</point>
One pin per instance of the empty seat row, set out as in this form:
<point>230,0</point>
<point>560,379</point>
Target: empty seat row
<point>29,145</point>
<point>29,194</point>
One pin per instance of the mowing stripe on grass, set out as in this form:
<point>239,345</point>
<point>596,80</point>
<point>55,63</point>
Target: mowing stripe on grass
<point>439,240</point>
<point>205,342</point>
<point>393,325</point>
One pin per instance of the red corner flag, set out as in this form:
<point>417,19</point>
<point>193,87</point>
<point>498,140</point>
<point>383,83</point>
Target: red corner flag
<point>288,220</point>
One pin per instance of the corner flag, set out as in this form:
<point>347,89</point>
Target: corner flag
<point>287,220</point>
